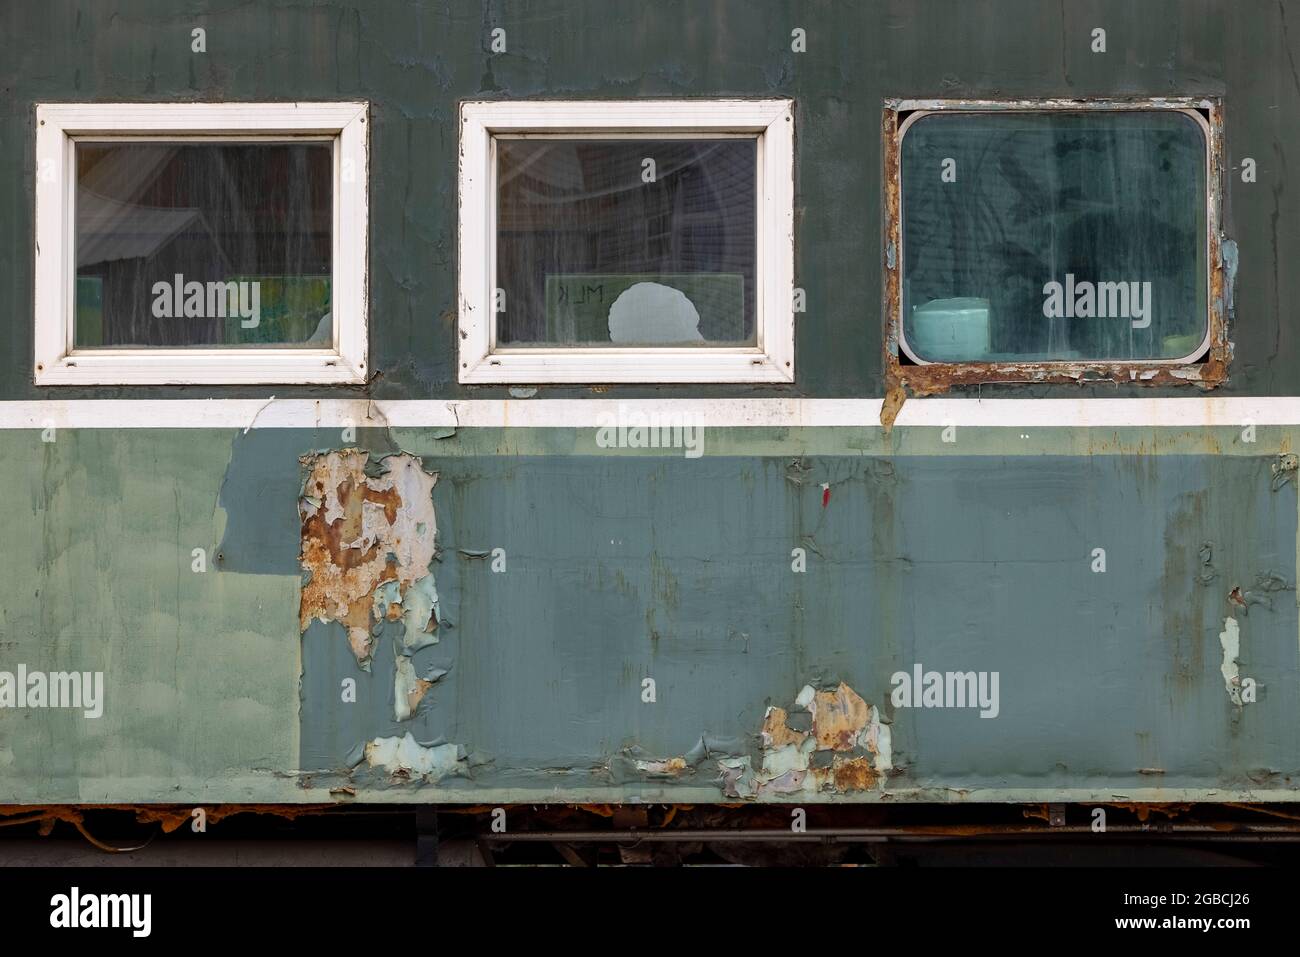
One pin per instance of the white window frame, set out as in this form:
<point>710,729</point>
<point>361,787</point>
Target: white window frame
<point>60,125</point>
<point>771,359</point>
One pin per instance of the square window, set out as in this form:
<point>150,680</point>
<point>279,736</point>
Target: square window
<point>626,241</point>
<point>201,243</point>
<point>1057,239</point>
<point>590,255</point>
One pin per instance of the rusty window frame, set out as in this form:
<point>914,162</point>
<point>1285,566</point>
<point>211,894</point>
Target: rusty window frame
<point>1207,370</point>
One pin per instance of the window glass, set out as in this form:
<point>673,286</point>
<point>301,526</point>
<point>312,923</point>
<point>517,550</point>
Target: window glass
<point>1054,236</point>
<point>203,244</point>
<point>626,242</point>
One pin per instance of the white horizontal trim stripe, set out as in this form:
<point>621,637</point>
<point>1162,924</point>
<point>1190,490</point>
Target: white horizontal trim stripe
<point>592,413</point>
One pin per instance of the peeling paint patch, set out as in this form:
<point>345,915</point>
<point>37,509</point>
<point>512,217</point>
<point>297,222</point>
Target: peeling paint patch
<point>1230,641</point>
<point>368,535</point>
<point>1284,469</point>
<point>405,758</point>
<point>829,741</point>
<point>1267,584</point>
<point>670,767</point>
<point>416,609</point>
<point>880,742</point>
<point>708,746</point>
<point>1228,251</point>
<point>408,689</point>
<point>737,777</point>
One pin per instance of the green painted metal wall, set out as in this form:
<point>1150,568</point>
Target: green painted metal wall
<point>624,565</point>
<point>413,61</point>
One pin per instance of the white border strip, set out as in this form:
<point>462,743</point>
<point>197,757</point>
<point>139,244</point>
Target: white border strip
<point>1186,413</point>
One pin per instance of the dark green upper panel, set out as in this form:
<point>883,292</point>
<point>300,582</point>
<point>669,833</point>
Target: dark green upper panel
<point>414,60</point>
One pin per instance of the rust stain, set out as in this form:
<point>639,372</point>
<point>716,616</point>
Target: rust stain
<point>839,716</point>
<point>1284,815</point>
<point>775,733</point>
<point>1143,811</point>
<point>940,377</point>
<point>1038,811</point>
<point>169,818</point>
<point>903,820</point>
<point>853,774</point>
<point>892,405</point>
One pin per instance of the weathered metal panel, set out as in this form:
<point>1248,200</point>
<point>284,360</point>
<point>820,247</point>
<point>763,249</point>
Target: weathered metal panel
<point>621,565</point>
